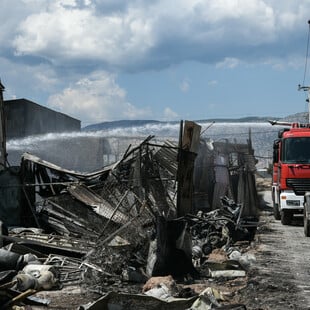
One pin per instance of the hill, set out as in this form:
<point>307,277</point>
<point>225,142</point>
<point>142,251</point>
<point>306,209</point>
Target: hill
<point>301,117</point>
<point>119,124</point>
<point>137,123</point>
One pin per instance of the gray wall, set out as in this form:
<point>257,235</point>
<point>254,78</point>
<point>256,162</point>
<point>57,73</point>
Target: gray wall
<point>26,118</point>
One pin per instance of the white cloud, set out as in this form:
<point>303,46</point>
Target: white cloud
<point>63,33</point>
<point>154,33</point>
<point>57,41</point>
<point>230,63</point>
<point>23,80</point>
<point>11,13</point>
<point>213,83</point>
<point>170,115</point>
<point>95,99</point>
<point>185,86</point>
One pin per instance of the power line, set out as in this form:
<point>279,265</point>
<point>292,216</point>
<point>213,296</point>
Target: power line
<point>307,55</point>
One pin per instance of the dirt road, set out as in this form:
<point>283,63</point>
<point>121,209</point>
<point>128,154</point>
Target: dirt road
<point>281,276</point>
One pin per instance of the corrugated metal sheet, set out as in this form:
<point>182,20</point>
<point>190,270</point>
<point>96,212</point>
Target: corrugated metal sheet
<point>167,157</point>
<point>100,206</point>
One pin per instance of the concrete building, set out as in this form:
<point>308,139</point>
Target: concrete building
<point>26,118</point>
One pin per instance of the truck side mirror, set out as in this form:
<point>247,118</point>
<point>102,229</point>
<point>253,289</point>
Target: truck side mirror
<point>276,144</point>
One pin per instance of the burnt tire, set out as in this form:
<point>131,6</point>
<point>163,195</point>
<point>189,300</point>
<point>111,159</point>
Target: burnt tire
<point>286,217</point>
<point>276,212</point>
<point>306,225</point>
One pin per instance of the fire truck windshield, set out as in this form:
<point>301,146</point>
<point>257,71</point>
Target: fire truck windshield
<point>296,150</point>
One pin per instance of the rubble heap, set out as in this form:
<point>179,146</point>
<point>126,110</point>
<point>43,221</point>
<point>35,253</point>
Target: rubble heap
<point>159,211</point>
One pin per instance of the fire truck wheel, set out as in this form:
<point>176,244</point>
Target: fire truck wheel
<point>286,217</point>
<point>306,225</point>
<point>276,212</point>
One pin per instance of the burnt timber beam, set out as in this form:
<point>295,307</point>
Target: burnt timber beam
<point>189,142</point>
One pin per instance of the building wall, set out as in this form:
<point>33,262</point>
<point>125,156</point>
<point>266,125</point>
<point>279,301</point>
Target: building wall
<point>25,118</point>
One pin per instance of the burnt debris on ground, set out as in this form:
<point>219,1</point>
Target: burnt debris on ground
<point>163,228</point>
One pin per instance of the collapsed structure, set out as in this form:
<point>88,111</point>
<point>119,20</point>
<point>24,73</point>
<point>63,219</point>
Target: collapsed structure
<point>158,211</point>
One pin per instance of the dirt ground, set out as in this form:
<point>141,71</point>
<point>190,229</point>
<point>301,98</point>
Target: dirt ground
<point>278,279</point>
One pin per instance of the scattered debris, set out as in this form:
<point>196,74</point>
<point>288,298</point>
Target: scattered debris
<point>152,218</point>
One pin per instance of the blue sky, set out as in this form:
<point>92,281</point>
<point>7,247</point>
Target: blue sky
<point>103,60</point>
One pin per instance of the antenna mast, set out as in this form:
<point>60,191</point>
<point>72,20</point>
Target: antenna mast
<point>306,88</point>
<point>2,131</point>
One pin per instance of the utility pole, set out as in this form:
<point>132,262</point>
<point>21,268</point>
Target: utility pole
<point>2,131</point>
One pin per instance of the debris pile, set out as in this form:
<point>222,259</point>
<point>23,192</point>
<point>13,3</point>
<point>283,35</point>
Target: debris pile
<point>148,215</point>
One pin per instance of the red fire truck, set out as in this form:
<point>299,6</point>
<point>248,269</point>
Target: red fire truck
<point>291,168</point>
<point>291,171</point>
